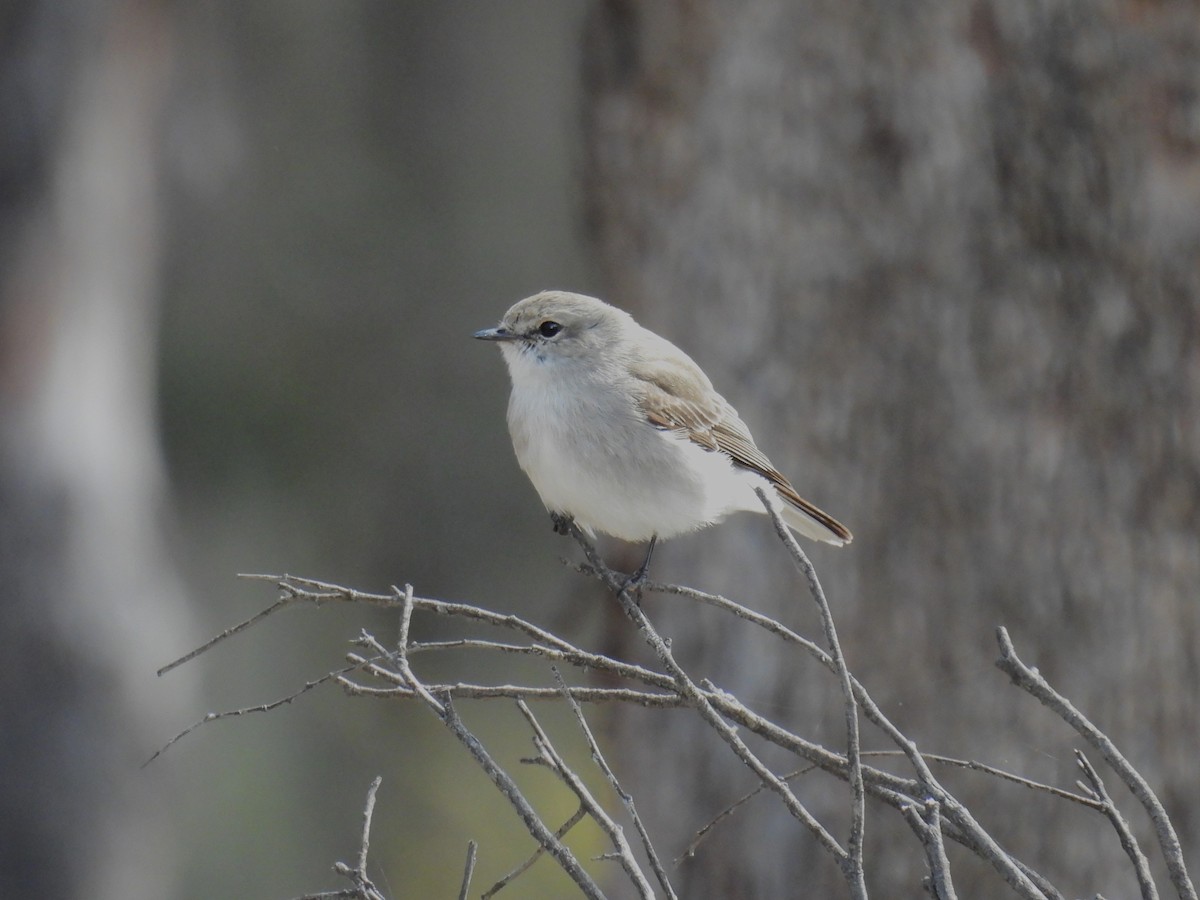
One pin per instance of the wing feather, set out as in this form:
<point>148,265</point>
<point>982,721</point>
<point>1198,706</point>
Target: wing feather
<point>675,395</point>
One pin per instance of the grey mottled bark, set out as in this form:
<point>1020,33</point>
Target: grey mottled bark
<point>943,258</point>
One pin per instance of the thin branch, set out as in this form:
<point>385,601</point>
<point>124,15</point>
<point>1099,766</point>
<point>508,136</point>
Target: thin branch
<point>620,587</point>
<point>335,675</point>
<point>512,793</point>
<point>463,691</point>
<point>364,888</point>
<point>771,626</point>
<point>293,589</point>
<point>870,710</point>
<point>927,824</point>
<point>890,788</point>
<point>698,838</point>
<point>893,790</point>
<point>1026,883</point>
<point>444,709</point>
<point>308,590</point>
<point>931,811</point>
<point>853,864</point>
<point>885,785</point>
<point>316,592</point>
<point>616,834</point>
<point>970,833</point>
<point>575,657</point>
<point>468,870</point>
<point>1032,682</point>
<point>1018,876</point>
<point>534,857</point>
<point>1002,774</point>
<point>400,657</point>
<point>227,633</point>
<point>1141,866</point>
<point>626,798</point>
<point>368,812</point>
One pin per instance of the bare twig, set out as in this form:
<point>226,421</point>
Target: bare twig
<point>853,864</point>
<point>771,626</point>
<point>227,633</point>
<point>443,708</point>
<point>555,847</point>
<point>977,838</point>
<point>293,589</point>
<point>620,587</point>
<point>1032,682</point>
<point>308,590</point>
<point>864,700</point>
<point>898,792</point>
<point>400,657</point>
<point>462,691</point>
<point>969,832</point>
<point>364,888</point>
<point>1141,866</point>
<point>335,675</point>
<point>468,870</point>
<point>975,766</point>
<point>1026,883</point>
<point>550,757</point>
<point>368,813</point>
<point>575,657</point>
<point>703,832</point>
<point>626,798</point>
<point>537,854</point>
<point>931,811</point>
<point>894,791</point>
<point>1018,876</point>
<point>926,822</point>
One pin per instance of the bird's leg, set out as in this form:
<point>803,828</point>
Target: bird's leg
<point>561,522</point>
<point>644,568</point>
<point>635,580</point>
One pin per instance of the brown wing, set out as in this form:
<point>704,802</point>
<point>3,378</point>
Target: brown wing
<point>676,395</point>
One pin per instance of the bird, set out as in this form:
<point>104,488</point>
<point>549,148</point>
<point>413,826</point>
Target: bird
<point>622,432</point>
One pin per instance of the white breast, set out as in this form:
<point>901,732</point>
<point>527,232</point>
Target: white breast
<point>591,455</point>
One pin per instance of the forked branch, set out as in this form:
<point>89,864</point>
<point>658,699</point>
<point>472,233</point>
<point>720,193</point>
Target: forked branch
<point>932,812</point>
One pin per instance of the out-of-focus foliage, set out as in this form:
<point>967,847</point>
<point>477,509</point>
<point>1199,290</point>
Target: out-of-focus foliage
<point>355,189</point>
<point>315,204</point>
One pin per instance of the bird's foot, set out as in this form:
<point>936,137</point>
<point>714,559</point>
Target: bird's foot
<point>562,523</point>
<point>632,586</point>
<point>634,581</point>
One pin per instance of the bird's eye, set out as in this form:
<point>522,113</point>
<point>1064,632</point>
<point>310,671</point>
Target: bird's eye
<point>549,329</point>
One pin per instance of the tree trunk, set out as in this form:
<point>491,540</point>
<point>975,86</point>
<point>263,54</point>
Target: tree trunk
<point>91,601</point>
<point>943,259</point>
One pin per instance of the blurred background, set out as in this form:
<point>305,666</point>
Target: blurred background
<point>943,258</point>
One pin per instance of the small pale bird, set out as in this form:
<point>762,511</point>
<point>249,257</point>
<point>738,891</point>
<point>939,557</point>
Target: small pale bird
<point>620,430</point>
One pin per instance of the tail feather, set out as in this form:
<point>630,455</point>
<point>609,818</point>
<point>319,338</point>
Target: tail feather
<point>806,519</point>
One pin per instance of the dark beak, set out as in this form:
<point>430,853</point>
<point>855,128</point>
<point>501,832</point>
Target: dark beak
<point>496,334</point>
